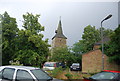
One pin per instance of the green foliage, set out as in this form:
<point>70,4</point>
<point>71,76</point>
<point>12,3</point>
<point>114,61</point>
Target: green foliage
<point>26,45</point>
<point>79,47</point>
<point>31,23</point>
<point>90,36</point>
<point>60,54</point>
<point>106,32</point>
<point>112,49</point>
<point>30,48</point>
<point>64,55</point>
<point>9,31</point>
<point>69,76</point>
<point>16,63</point>
<point>29,57</point>
<point>57,71</point>
<point>75,58</point>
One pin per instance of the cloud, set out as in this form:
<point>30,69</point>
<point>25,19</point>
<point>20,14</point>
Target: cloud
<point>49,1</point>
<point>75,16</point>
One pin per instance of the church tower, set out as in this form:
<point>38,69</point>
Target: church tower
<point>59,40</point>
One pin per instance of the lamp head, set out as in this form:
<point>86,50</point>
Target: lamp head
<point>109,16</point>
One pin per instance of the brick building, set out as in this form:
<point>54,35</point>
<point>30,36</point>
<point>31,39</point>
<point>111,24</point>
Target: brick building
<point>92,60</point>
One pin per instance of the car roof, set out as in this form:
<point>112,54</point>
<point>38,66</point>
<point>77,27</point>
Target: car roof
<point>20,67</point>
<point>111,71</point>
<point>50,62</point>
<point>76,63</point>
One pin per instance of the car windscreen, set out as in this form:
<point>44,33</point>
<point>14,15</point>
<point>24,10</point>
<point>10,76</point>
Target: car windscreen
<point>75,64</point>
<point>49,64</point>
<point>40,74</point>
<point>104,75</point>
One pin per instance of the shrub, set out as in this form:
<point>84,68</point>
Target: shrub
<point>16,63</point>
<point>57,71</point>
<point>69,76</point>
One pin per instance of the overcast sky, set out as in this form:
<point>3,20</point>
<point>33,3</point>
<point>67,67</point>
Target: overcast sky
<point>75,15</point>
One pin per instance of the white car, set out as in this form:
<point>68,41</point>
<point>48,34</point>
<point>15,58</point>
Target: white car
<point>50,65</point>
<point>23,73</point>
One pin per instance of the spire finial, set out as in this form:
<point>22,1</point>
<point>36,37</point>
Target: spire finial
<point>60,18</point>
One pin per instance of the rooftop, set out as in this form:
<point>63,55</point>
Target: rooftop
<point>59,32</point>
<point>19,67</point>
<point>105,40</point>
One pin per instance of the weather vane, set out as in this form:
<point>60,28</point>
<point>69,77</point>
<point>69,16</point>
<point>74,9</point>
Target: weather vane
<point>60,17</point>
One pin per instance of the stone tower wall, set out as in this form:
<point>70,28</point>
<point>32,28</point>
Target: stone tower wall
<point>58,42</point>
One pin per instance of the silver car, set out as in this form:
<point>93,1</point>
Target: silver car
<point>23,73</point>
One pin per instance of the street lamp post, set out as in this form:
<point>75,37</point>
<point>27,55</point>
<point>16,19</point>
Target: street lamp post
<point>109,16</point>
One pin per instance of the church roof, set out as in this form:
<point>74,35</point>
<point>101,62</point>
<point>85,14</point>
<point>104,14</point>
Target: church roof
<point>59,32</point>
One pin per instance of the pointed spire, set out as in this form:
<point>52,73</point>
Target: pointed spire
<point>59,32</point>
<point>59,29</point>
<point>60,18</point>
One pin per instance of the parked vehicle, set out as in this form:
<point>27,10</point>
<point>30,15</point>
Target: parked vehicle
<point>52,65</point>
<point>23,73</point>
<point>61,64</point>
<point>106,75</point>
<point>75,66</point>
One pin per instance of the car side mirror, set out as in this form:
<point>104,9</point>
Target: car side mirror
<point>50,79</point>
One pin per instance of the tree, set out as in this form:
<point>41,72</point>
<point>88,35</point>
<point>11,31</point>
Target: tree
<point>112,49</point>
<point>31,49</point>
<point>90,36</point>
<point>9,31</point>
<point>64,55</point>
<point>106,32</point>
<point>60,54</point>
<point>79,47</point>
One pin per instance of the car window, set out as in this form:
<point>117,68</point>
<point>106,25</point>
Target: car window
<point>40,75</point>
<point>23,75</point>
<point>76,64</point>
<point>118,76</point>
<point>49,64</point>
<point>104,75</point>
<point>0,74</point>
<point>8,73</point>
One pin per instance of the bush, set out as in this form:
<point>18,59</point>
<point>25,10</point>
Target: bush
<point>57,71</point>
<point>69,76</point>
<point>15,63</point>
